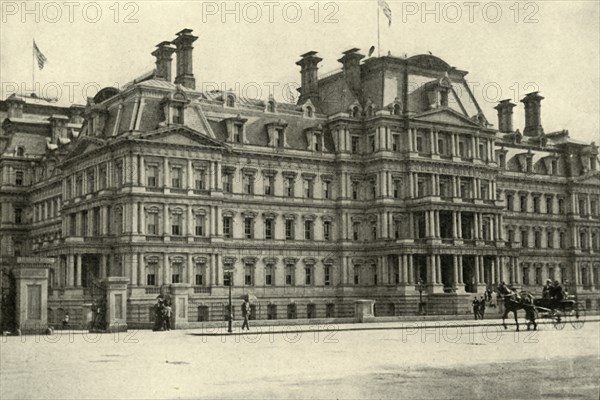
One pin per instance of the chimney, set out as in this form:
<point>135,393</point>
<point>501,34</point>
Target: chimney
<point>351,63</point>
<point>15,106</point>
<point>310,80</point>
<point>533,122</point>
<point>505,112</point>
<point>185,70</point>
<point>163,60</point>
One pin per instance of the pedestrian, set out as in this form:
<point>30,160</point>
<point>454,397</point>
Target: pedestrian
<point>481,307</point>
<point>476,308</point>
<point>158,315</point>
<point>65,321</point>
<point>167,311</point>
<point>246,313</point>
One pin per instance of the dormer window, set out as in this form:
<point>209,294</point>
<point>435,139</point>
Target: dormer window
<point>317,137</point>
<point>397,109</point>
<point>236,129</point>
<point>20,152</point>
<point>276,134</point>
<point>271,106</point>
<point>177,114</point>
<point>230,101</point>
<point>355,112</point>
<point>309,112</point>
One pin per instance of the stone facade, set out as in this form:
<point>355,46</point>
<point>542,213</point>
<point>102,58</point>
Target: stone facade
<point>385,173</point>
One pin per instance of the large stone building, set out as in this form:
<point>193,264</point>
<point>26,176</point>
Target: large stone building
<point>384,174</point>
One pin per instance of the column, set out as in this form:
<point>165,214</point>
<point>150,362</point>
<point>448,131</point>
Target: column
<point>344,270</point>
<point>454,224</point>
<point>453,144</point>
<point>437,224</point>
<point>134,221</point>
<point>78,271</point>
<point>438,269</point>
<point>133,268</point>
<point>476,233</point>
<point>460,269</point>
<point>411,185</point>
<point>477,270</point>
<point>70,270</point>
<point>459,224</point>
<point>190,270</point>
<point>190,175</point>
<point>403,259</point>
<point>190,222</point>
<point>140,268</point>
<point>166,269</point>
<point>166,230</point>
<point>166,181</point>
<point>455,270</point>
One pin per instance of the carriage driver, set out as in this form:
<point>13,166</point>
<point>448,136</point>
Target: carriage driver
<point>548,290</point>
<point>557,292</point>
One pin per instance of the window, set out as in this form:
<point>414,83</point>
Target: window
<point>152,175</point>
<point>18,215</point>
<point>354,144</point>
<point>271,106</point>
<point>420,146</point>
<point>482,152</point>
<point>396,187</point>
<point>308,230</point>
<point>151,280</point>
<point>326,189</point>
<point>101,177</point>
<point>91,181</point>
<point>355,112</point>
<point>396,142</point>
<point>354,189</point>
<point>118,173</point>
<point>269,229</point>
<point>227,277</point>
<point>536,205</point>
<point>562,239</point>
<point>226,180</point>
<point>502,160</point>
<point>538,276</point>
<point>327,275</point>
<point>372,143</point>
<point>357,274</point>
<point>176,270</point>
<point>200,225</point>
<point>561,206</point>
<point>308,188</point>
<point>79,184</point>
<point>248,274</point>
<point>230,101</point>
<point>317,141</point>
<point>288,186</point>
<point>176,225</point>
<point>248,183</point>
<point>582,208</point>
<point>355,230</point>
<point>373,230</point>
<point>72,224</point>
<point>523,202</point>
<point>177,115</point>
<point>249,227</point>
<point>524,239</point>
<point>309,112</point>
<point>199,181</point>
<point>279,138</point>
<point>227,227</point>
<point>483,189</point>
<point>308,271</point>
<point>269,272</point>
<point>269,185</point>
<point>327,230</point>
<point>199,279</point>
<point>554,167</point>
<point>538,239</point>
<point>20,151</point>
<point>152,223</point>
<point>373,189</point>
<point>19,178</point>
<point>289,274</point>
<point>289,229</point>
<point>84,223</point>
<point>176,177</point>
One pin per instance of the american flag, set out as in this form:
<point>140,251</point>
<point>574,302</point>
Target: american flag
<point>41,58</point>
<point>387,11</point>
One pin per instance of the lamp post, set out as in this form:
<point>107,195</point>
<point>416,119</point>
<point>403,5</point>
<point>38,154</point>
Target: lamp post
<point>230,319</point>
<point>420,287</point>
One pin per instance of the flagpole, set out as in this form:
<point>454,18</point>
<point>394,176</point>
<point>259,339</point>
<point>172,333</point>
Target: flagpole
<point>378,35</point>
<point>33,67</point>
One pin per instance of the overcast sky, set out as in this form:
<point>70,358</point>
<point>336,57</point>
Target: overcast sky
<point>509,48</point>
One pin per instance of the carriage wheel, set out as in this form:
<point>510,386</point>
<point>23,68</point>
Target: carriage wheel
<point>559,320</point>
<point>577,316</point>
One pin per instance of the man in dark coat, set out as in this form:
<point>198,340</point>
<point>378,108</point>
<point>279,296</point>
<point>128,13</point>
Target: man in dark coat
<point>476,308</point>
<point>481,307</point>
<point>246,313</point>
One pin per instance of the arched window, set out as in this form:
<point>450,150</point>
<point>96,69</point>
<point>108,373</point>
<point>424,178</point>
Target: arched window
<point>355,112</point>
<point>271,106</point>
<point>230,101</point>
<point>309,112</point>
<point>20,151</point>
<point>396,109</point>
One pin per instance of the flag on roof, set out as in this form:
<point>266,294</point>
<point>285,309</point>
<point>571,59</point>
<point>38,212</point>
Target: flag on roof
<point>387,11</point>
<point>41,58</point>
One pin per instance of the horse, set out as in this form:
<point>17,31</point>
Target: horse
<point>523,301</point>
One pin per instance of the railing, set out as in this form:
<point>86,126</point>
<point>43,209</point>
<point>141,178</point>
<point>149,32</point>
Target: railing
<point>178,239</point>
<point>202,289</point>
<point>179,190</point>
<point>154,238</point>
<point>152,290</point>
<point>201,239</point>
<point>154,189</point>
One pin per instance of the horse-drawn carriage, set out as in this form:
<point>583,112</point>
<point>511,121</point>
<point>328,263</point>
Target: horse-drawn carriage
<point>558,311</point>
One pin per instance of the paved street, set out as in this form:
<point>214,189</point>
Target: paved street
<point>447,362</point>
